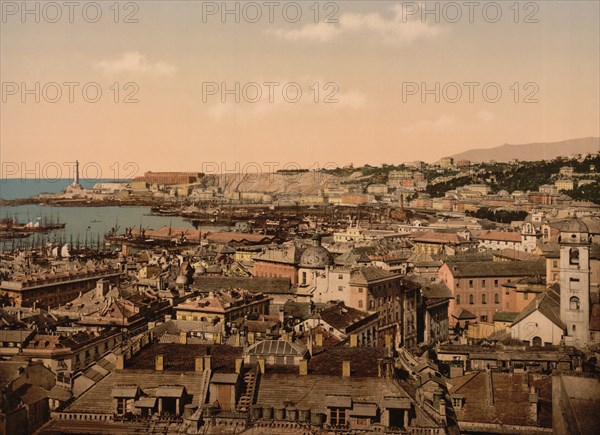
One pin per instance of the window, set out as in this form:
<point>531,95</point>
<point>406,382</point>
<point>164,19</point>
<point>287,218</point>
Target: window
<point>470,283</point>
<point>483,283</point>
<point>495,283</point>
<point>121,406</point>
<point>457,402</point>
<point>574,303</point>
<point>573,256</point>
<point>360,289</point>
<point>337,417</point>
<point>340,276</point>
<point>526,295</point>
<point>360,303</point>
<point>471,299</point>
<point>457,299</point>
<point>574,328</point>
<point>496,298</point>
<point>574,284</point>
<point>555,263</point>
<point>303,278</point>
<point>457,284</point>
<point>483,318</point>
<point>483,299</point>
<point>340,288</point>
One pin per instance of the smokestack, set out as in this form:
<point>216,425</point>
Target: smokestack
<point>251,338</point>
<point>182,337</point>
<point>353,340</point>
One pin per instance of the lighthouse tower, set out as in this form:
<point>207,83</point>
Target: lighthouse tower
<point>75,184</point>
<point>574,244</point>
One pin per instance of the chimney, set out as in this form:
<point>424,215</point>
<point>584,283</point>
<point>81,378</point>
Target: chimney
<point>217,337</point>
<point>319,339</point>
<point>120,364</point>
<point>346,369</point>
<point>303,367</point>
<point>159,363</point>
<point>251,338</point>
<point>102,287</point>
<point>239,363</point>
<point>182,337</point>
<point>353,340</point>
<point>533,405</point>
<point>207,362</point>
<point>388,340</point>
<point>286,337</point>
<point>236,340</point>
<point>199,366</point>
<point>261,365</point>
<point>281,315</point>
<point>438,401</point>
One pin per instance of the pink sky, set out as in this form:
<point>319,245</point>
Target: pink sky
<point>364,61</point>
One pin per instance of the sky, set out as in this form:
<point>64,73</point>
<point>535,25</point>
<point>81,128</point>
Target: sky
<point>126,87</point>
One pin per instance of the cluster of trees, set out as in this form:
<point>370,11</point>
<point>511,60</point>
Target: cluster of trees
<point>501,216</point>
<point>589,192</point>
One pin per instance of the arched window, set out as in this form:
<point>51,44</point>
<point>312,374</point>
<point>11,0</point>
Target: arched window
<point>471,299</point>
<point>496,298</point>
<point>457,299</point>
<point>573,256</point>
<point>574,303</point>
<point>483,299</point>
<point>537,341</point>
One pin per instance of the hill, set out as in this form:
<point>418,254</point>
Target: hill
<point>532,151</point>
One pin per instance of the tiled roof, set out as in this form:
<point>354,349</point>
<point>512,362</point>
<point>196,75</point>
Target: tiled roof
<point>500,236</point>
<point>265,285</point>
<point>548,304</point>
<point>496,268</point>
<point>511,399</point>
<point>181,357</point>
<point>370,274</point>
<point>341,317</point>
<point>438,237</point>
<point>98,399</point>
<point>276,347</point>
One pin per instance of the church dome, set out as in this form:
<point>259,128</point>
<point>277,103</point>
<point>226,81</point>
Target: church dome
<point>574,231</point>
<point>316,257</point>
<point>574,226</point>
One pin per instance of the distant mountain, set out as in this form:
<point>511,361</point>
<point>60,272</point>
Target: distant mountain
<point>532,151</point>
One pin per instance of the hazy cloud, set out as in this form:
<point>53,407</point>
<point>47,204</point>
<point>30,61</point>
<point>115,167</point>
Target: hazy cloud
<point>134,62</point>
<point>444,121</point>
<point>485,116</point>
<point>391,30</point>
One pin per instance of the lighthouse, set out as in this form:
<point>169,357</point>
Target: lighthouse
<point>76,176</point>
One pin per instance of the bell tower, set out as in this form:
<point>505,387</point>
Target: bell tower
<point>574,241</point>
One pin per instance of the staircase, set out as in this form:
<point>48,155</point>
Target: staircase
<point>247,399</point>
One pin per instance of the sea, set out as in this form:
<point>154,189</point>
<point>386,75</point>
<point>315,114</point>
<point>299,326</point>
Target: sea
<point>83,225</point>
